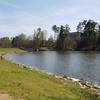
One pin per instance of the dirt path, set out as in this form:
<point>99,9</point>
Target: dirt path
<point>5,97</point>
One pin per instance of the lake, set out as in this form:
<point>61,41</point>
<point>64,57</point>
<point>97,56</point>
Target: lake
<point>82,65</point>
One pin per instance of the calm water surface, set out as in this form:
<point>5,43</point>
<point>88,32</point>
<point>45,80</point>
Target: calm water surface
<point>83,65</point>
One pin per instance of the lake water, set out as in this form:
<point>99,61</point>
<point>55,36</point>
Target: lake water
<point>82,65</point>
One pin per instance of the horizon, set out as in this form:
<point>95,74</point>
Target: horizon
<point>24,16</point>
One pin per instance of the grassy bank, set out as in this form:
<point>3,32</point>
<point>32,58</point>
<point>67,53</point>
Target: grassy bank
<point>10,50</point>
<point>33,85</point>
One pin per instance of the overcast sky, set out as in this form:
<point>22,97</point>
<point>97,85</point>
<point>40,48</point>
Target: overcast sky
<point>18,16</point>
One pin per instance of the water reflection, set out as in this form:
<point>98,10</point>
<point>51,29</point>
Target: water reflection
<point>85,65</point>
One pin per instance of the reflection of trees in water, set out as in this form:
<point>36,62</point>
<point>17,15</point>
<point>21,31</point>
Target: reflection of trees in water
<point>75,64</point>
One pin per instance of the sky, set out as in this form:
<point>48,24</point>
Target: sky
<point>23,16</point>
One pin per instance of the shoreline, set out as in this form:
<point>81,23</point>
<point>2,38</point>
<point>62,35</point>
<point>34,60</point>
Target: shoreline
<point>82,83</point>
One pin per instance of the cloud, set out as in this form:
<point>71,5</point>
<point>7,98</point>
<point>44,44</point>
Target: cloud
<point>24,16</point>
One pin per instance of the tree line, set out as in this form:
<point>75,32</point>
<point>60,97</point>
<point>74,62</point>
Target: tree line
<point>87,37</point>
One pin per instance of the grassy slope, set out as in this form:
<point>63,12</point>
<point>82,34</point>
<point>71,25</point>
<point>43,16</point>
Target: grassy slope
<point>10,50</point>
<point>33,85</point>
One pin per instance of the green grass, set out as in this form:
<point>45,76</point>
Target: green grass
<point>33,85</point>
<point>11,50</point>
